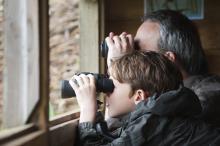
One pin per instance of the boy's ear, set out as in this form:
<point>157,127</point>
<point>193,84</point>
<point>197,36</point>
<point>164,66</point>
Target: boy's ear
<point>140,95</point>
<point>171,56</point>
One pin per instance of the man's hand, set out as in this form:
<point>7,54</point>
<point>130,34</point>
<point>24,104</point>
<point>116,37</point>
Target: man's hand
<point>119,46</point>
<point>85,89</point>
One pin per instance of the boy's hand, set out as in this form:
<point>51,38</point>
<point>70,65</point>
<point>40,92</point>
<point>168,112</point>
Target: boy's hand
<point>118,46</point>
<point>85,89</point>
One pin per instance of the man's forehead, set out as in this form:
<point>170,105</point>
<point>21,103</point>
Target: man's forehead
<point>147,36</point>
<point>148,27</point>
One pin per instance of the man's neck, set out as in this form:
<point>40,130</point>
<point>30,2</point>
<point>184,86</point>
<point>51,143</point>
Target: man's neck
<point>185,74</point>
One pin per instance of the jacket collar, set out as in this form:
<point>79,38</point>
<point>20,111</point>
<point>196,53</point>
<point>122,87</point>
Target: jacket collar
<point>182,103</point>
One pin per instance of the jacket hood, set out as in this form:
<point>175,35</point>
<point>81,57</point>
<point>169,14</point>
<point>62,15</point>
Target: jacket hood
<point>182,103</point>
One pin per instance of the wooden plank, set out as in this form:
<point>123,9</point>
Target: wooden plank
<point>63,134</point>
<point>89,36</point>
<point>37,138</point>
<point>64,118</point>
<point>7,135</point>
<point>21,72</point>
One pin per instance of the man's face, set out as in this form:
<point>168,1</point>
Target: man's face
<point>119,102</point>
<point>147,36</point>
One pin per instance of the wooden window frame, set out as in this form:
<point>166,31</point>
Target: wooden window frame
<point>35,133</point>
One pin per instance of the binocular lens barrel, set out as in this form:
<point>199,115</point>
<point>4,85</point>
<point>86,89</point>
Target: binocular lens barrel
<point>66,89</point>
<point>103,84</point>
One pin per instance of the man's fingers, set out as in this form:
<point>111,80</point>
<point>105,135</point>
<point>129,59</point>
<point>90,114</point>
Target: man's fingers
<point>123,33</point>
<point>109,41</point>
<point>117,41</point>
<point>111,34</point>
<point>124,41</point>
<point>130,40</point>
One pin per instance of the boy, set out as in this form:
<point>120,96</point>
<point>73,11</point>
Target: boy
<point>148,92</point>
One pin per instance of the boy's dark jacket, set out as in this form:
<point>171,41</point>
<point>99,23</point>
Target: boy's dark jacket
<point>167,120</point>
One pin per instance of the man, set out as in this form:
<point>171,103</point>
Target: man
<point>171,33</point>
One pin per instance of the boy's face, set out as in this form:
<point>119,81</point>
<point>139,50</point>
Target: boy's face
<point>120,101</point>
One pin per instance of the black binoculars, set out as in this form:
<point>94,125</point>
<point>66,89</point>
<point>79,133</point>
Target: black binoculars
<point>103,84</point>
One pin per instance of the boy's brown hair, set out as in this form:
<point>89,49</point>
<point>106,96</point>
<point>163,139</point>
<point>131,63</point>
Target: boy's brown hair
<point>149,71</point>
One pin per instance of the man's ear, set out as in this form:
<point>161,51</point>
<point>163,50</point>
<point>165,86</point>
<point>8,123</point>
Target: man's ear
<point>171,56</point>
<point>140,95</point>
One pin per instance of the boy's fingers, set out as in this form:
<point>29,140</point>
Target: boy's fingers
<point>84,78</point>
<point>73,83</point>
<point>79,80</point>
<point>92,79</point>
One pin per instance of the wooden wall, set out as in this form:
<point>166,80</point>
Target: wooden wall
<point>125,15</point>
<point>209,29</point>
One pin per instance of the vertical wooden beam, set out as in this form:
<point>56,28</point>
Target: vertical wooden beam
<point>43,118</point>
<point>21,72</point>
<point>89,35</point>
<point>102,61</point>
<point>40,115</point>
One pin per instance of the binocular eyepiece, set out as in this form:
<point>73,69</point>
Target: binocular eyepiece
<point>103,84</point>
<point>104,49</point>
